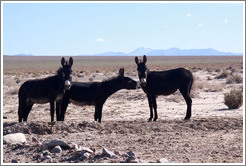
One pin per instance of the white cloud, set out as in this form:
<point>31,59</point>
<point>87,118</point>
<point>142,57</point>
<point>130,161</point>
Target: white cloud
<point>100,40</point>
<point>200,25</point>
<point>226,20</point>
<point>188,15</point>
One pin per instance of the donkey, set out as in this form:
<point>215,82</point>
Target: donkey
<point>50,89</point>
<point>96,93</point>
<point>156,83</point>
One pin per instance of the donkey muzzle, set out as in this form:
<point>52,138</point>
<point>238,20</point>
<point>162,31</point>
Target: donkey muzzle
<point>138,85</point>
<point>67,85</point>
<point>143,81</point>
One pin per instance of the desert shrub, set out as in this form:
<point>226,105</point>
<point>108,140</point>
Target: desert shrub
<point>217,70</point>
<point>222,75</point>
<point>234,79</point>
<point>213,87</point>
<point>13,91</point>
<point>234,99</point>
<point>209,78</point>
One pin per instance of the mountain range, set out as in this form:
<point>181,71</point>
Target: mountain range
<point>163,52</point>
<point>169,52</point>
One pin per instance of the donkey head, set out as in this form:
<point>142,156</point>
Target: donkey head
<point>142,70</point>
<point>126,82</point>
<point>65,71</point>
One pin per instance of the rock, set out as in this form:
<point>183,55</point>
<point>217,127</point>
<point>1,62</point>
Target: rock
<point>162,160</point>
<point>134,161</point>
<point>93,149</point>
<point>50,144</point>
<point>131,154</point>
<point>46,152</point>
<point>108,153</point>
<point>17,138</point>
<point>85,156</point>
<point>81,150</point>
<point>38,156</point>
<point>116,152</point>
<point>56,149</point>
<point>47,157</point>
<point>87,150</point>
<point>35,140</point>
<point>131,157</point>
<point>75,146</point>
<point>14,161</point>
<point>142,161</point>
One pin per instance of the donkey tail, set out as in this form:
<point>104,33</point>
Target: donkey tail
<point>191,83</point>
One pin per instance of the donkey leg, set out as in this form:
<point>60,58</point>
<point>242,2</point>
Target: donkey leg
<point>52,110</point>
<point>63,108</point>
<point>98,112</point>
<point>188,100</point>
<point>155,108</point>
<point>22,107</point>
<point>21,110</point>
<point>27,111</point>
<point>20,114</point>
<point>58,108</point>
<point>150,107</point>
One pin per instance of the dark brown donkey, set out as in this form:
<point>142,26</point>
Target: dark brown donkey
<point>95,93</point>
<point>50,89</point>
<point>156,83</point>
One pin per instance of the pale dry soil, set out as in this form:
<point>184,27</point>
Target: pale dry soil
<point>214,134</point>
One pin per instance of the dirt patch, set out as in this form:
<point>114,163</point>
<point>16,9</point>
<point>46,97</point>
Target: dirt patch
<point>196,141</point>
<point>213,135</point>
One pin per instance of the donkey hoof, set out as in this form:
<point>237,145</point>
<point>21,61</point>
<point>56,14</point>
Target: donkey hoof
<point>187,118</point>
<point>53,122</point>
<point>155,120</point>
<point>149,120</point>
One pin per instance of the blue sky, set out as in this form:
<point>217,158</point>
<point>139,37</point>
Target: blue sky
<point>90,28</point>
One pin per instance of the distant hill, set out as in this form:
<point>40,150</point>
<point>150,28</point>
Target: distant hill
<point>170,52</point>
<point>22,54</point>
<point>162,52</point>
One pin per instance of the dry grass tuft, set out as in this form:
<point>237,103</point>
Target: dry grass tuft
<point>222,75</point>
<point>234,79</point>
<point>234,99</point>
<point>13,91</point>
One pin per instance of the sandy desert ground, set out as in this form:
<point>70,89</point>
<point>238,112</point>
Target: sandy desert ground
<point>214,134</point>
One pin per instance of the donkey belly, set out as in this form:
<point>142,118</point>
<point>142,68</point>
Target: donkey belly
<point>82,103</point>
<point>40,100</point>
<point>43,100</point>
<point>167,92</point>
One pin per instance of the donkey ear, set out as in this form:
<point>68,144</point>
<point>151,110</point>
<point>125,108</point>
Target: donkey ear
<point>63,61</point>
<point>136,60</point>
<point>121,72</point>
<point>70,61</point>
<point>144,59</point>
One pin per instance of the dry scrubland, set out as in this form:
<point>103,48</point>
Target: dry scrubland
<point>213,135</point>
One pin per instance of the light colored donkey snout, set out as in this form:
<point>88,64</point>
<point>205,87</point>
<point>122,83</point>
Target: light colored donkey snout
<point>67,84</point>
<point>143,81</point>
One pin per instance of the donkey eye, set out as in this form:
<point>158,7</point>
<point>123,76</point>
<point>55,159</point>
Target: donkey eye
<point>139,72</point>
<point>63,74</point>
